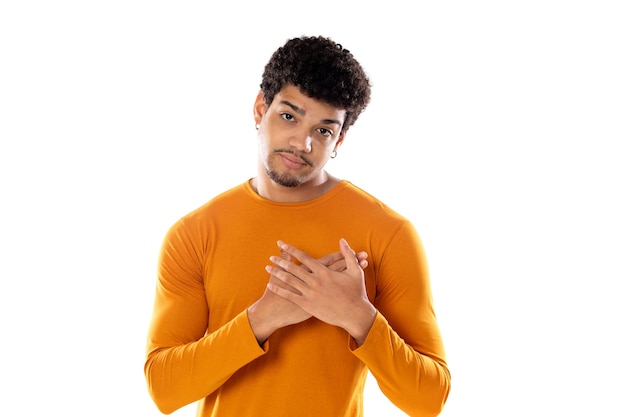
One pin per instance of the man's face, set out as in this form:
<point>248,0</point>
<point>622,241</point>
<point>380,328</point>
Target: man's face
<point>297,135</point>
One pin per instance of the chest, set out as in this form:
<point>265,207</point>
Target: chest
<point>235,259</point>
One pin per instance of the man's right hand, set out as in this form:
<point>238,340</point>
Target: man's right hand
<point>337,262</point>
<point>272,312</point>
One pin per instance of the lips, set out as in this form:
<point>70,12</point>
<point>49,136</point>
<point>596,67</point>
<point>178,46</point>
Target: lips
<point>292,161</point>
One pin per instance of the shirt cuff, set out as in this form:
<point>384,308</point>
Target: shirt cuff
<point>250,337</point>
<point>378,330</point>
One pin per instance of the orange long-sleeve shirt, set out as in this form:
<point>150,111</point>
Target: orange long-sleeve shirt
<point>211,269</point>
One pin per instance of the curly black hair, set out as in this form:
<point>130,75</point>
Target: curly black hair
<point>323,70</point>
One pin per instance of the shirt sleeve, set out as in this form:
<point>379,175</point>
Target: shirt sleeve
<point>184,363</point>
<point>404,349</point>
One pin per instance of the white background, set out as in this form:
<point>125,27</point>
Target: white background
<point>497,127</point>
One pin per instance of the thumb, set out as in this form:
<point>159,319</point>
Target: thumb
<point>349,255</point>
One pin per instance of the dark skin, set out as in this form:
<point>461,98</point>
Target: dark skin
<point>297,135</point>
<point>286,312</point>
<point>336,297</point>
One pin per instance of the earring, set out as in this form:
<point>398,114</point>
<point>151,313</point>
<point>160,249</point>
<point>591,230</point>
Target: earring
<point>256,126</point>
<point>333,154</point>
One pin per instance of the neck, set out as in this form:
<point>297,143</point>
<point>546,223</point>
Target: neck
<point>309,190</point>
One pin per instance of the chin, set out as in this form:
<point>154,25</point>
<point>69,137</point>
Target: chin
<point>284,180</point>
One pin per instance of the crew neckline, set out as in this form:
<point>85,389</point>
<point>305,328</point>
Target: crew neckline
<point>342,184</point>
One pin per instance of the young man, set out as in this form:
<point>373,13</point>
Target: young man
<point>262,306</point>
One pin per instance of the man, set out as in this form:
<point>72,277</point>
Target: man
<point>262,306</point>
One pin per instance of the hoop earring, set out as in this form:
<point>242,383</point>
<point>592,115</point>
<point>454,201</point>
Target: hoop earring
<point>333,154</point>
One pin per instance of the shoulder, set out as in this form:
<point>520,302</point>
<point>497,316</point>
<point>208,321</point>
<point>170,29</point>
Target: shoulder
<point>366,203</point>
<point>207,212</point>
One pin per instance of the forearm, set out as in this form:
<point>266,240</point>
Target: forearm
<point>180,375</point>
<point>416,383</point>
<point>360,322</point>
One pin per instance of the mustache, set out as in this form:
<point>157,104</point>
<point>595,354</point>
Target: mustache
<point>296,154</point>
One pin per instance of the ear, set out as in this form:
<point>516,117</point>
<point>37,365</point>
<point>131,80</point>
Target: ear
<point>259,107</point>
<point>340,140</point>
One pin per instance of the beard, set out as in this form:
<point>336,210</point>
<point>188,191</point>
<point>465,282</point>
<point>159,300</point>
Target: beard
<point>285,180</point>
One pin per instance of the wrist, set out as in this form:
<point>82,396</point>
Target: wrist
<point>259,324</point>
<point>362,323</point>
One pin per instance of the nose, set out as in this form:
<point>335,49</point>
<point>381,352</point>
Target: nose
<point>302,141</point>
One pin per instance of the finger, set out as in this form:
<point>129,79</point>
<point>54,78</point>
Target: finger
<point>291,267</point>
<point>284,255</point>
<point>288,257</point>
<point>288,278</point>
<point>275,281</point>
<point>362,258</point>
<point>350,255</point>
<point>281,292</point>
<point>336,261</point>
<point>304,258</point>
<point>330,259</point>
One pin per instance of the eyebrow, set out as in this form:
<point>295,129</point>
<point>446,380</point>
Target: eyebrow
<point>301,112</point>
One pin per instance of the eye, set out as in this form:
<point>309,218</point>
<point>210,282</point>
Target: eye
<point>287,116</point>
<point>325,132</point>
